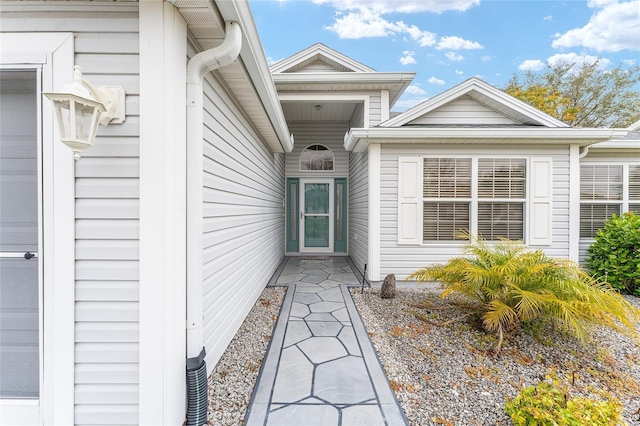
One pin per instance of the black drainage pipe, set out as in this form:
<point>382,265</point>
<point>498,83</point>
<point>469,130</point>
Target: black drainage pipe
<point>197,390</point>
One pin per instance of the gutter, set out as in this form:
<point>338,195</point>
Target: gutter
<point>357,140</point>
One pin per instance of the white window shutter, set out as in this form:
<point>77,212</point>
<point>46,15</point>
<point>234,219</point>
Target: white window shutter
<point>540,201</point>
<point>409,200</point>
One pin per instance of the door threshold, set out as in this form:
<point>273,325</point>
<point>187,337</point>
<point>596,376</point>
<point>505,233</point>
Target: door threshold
<point>313,253</point>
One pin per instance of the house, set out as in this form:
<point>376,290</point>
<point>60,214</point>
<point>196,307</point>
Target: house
<point>120,266</point>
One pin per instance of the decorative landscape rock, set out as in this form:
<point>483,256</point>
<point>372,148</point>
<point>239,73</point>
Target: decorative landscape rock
<point>388,290</point>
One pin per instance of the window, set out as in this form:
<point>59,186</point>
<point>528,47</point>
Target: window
<point>316,157</point>
<point>484,195</point>
<point>606,189</point>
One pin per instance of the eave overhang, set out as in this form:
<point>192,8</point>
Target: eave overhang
<point>396,83</point>
<point>358,139</point>
<point>253,58</point>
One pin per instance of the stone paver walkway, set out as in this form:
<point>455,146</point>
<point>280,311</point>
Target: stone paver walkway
<point>321,368</point>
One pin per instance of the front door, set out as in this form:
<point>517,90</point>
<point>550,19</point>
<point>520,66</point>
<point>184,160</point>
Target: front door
<point>19,237</point>
<point>316,215</point>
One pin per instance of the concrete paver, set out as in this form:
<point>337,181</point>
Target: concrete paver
<point>321,368</point>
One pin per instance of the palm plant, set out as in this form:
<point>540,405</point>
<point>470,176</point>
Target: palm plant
<point>512,284</point>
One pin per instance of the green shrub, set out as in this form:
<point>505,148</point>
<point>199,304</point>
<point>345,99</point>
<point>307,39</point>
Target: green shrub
<point>513,284</point>
<point>550,404</point>
<point>615,254</point>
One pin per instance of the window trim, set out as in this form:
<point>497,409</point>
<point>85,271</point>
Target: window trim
<point>333,155</point>
<point>625,201</point>
<point>474,199</point>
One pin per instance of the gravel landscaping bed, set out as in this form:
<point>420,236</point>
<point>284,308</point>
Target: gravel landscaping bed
<point>234,377</point>
<point>443,370</point>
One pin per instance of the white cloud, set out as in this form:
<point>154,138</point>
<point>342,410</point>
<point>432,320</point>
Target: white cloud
<point>459,72</point>
<point>453,56</point>
<point>272,61</point>
<point>487,58</point>
<point>408,58</point>
<point>365,23</point>
<point>434,80</point>
<point>531,65</point>
<point>457,43</point>
<point>402,6</point>
<point>548,18</point>
<point>415,90</point>
<point>629,62</point>
<point>612,28</point>
<point>578,60</point>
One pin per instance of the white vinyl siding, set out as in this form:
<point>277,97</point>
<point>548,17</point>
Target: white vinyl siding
<point>331,135</point>
<point>358,208</point>
<point>375,109</point>
<point>607,187</point>
<point>107,212</point>
<point>243,224</point>
<point>464,110</point>
<point>357,118</point>
<point>404,259</point>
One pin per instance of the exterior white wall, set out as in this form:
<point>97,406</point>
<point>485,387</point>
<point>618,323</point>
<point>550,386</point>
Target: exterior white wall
<point>107,213</point>
<point>401,260</point>
<point>357,118</point>
<point>243,224</point>
<point>358,208</point>
<point>330,135</point>
<point>375,109</point>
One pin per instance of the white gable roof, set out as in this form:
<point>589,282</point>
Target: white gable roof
<point>318,58</point>
<point>483,100</point>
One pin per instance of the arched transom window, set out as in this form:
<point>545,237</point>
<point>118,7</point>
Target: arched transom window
<point>316,157</point>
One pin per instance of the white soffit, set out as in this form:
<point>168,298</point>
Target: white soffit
<point>256,95</point>
<point>486,94</point>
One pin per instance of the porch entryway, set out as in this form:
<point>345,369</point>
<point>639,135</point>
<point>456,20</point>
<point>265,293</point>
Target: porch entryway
<point>316,212</point>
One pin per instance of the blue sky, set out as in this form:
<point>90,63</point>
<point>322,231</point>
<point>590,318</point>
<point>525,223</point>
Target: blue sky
<point>447,41</point>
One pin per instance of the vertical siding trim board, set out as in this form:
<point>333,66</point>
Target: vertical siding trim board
<point>384,106</point>
<point>574,203</point>
<point>162,214</point>
<point>374,212</point>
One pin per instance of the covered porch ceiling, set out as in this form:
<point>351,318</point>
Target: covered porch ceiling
<point>328,111</point>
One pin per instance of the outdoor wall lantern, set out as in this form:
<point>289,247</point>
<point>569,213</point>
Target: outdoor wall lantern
<point>80,106</point>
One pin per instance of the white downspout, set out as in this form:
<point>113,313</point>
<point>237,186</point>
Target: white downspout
<point>198,67</point>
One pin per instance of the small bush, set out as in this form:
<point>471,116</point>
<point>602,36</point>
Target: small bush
<point>512,284</point>
<point>551,404</point>
<point>615,254</point>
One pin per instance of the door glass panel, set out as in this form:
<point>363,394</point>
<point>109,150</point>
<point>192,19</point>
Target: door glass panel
<point>293,212</point>
<point>316,198</point>
<point>316,231</point>
<point>18,328</point>
<point>316,219</point>
<point>19,300</point>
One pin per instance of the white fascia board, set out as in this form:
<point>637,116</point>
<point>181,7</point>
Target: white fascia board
<point>357,140</point>
<point>387,79</point>
<point>617,145</point>
<point>466,87</point>
<point>252,55</point>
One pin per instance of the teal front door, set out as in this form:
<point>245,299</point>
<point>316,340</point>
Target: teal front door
<point>316,215</point>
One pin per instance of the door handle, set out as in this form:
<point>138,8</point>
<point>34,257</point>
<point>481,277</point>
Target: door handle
<point>28,255</point>
<point>301,214</point>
